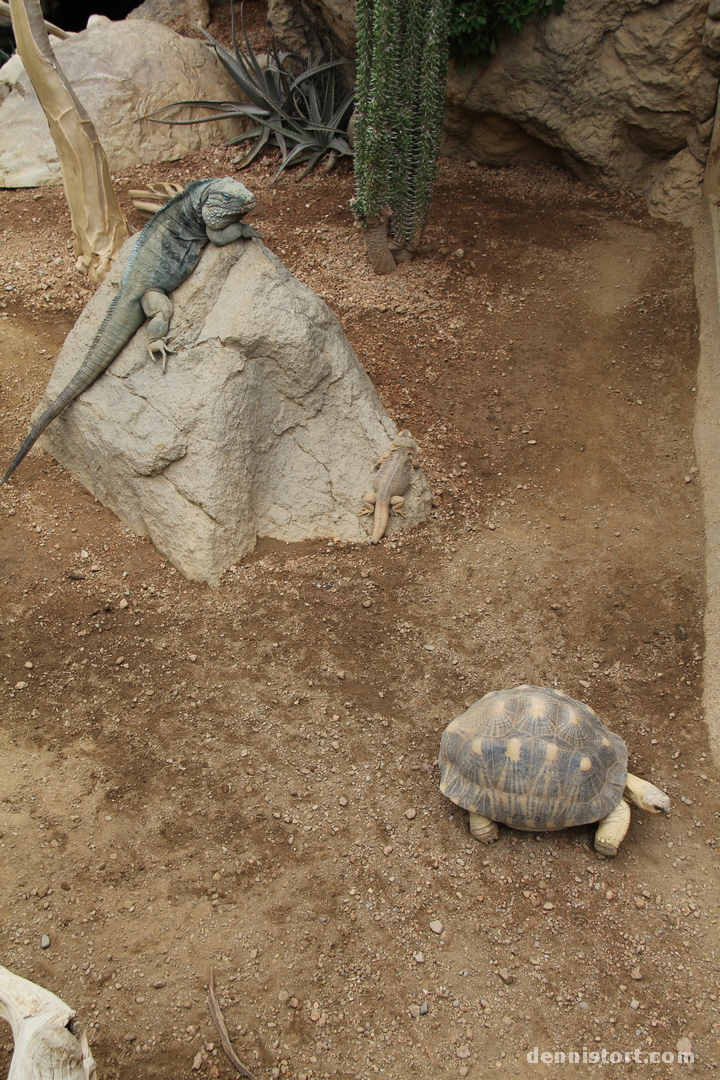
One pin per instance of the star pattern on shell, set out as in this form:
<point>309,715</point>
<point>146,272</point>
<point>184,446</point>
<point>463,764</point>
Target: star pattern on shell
<point>534,758</point>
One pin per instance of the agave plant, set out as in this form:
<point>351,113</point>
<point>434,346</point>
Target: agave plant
<point>301,106</point>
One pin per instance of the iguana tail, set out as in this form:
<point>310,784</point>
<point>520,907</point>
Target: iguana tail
<point>380,522</point>
<point>119,325</point>
<point>68,394</point>
<point>79,382</point>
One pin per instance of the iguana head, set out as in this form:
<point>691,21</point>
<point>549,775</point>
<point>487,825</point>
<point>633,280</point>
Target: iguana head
<point>225,201</point>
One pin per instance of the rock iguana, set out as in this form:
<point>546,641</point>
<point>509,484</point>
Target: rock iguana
<point>391,482</point>
<point>165,253</point>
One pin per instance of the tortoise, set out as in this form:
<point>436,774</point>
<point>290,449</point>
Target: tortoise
<point>535,759</point>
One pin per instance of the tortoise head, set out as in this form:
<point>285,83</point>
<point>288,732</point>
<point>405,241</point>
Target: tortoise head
<point>646,796</point>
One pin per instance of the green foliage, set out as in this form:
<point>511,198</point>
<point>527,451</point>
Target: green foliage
<point>301,106</point>
<point>476,24</point>
<point>402,70</point>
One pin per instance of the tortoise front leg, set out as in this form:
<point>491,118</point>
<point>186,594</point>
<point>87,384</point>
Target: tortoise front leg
<point>482,828</point>
<point>611,831</point>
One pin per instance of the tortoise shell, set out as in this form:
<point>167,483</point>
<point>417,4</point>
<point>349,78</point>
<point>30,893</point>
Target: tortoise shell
<point>532,758</point>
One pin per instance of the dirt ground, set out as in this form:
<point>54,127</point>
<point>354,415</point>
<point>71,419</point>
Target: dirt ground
<point>244,779</point>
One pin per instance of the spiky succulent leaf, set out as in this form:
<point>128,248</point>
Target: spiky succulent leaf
<point>296,101</point>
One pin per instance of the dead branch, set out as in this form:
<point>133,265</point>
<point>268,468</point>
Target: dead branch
<point>223,1031</point>
<point>49,1042</point>
<point>147,201</point>
<point>99,225</point>
<point>50,27</point>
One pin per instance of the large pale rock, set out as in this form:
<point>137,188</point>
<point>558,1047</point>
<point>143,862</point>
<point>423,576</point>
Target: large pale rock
<point>172,12</point>
<point>120,72</point>
<point>612,89</point>
<point>264,424</point>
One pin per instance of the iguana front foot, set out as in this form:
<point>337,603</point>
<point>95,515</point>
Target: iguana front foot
<point>249,232</point>
<point>163,351</point>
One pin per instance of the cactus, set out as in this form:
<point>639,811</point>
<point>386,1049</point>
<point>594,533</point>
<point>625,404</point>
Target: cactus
<point>402,70</point>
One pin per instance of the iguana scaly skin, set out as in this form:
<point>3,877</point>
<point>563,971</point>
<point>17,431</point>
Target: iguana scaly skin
<point>392,481</point>
<point>165,253</point>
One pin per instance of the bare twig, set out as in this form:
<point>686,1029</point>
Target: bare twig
<point>223,1032</point>
<point>151,199</point>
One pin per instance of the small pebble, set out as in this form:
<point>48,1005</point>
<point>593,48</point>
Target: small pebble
<point>44,942</point>
<point>28,664</point>
<point>123,603</point>
<point>411,813</point>
<point>424,1009</point>
<point>283,996</point>
<point>683,1045</point>
<point>343,801</point>
<point>506,977</point>
<point>367,603</point>
<point>419,957</point>
<point>192,657</point>
<point>414,1011</point>
<point>634,1004</point>
<point>636,973</point>
<point>20,685</point>
<point>436,926</point>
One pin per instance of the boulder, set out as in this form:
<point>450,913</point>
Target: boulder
<point>675,193</point>
<point>295,23</point>
<point>264,423</point>
<point>616,87</point>
<point>120,72</point>
<point>174,12</point>
<point>612,89</point>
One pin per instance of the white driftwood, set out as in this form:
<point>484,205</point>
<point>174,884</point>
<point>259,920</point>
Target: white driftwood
<point>50,27</point>
<point>49,1043</point>
<point>98,223</point>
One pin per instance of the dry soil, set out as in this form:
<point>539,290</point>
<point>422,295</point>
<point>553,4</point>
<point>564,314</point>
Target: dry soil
<point>244,778</point>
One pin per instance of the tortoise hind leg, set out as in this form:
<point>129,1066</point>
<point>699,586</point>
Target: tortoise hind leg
<point>482,828</point>
<point>611,830</point>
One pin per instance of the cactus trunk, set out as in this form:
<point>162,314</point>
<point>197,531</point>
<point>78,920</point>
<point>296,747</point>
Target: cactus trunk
<point>402,70</point>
